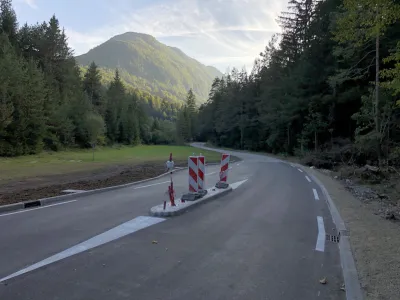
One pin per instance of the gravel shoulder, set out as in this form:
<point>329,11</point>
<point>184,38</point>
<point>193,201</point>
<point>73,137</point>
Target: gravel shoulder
<point>375,242</point>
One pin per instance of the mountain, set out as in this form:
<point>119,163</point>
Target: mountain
<point>149,65</point>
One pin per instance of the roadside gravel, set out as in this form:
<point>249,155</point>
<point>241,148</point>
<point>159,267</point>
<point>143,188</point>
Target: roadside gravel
<point>375,242</point>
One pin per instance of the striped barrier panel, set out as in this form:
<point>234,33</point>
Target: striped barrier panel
<point>223,175</point>
<point>193,170</point>
<point>201,172</point>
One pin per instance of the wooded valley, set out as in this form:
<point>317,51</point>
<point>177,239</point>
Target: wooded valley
<point>46,102</point>
<point>329,84</point>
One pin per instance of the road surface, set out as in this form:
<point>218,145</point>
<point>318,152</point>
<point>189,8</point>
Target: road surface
<point>264,240</point>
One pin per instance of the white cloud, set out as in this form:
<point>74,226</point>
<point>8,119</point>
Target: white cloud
<point>218,32</point>
<point>31,3</point>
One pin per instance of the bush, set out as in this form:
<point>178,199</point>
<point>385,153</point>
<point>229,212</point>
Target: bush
<point>313,160</point>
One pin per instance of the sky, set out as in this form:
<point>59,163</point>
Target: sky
<point>220,33</point>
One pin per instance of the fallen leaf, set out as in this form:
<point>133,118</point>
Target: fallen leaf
<point>154,242</point>
<point>323,281</point>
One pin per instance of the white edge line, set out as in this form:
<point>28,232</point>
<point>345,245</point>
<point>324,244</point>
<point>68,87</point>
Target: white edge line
<point>44,206</point>
<point>350,274</point>
<point>308,178</point>
<point>320,246</point>
<point>316,197</point>
<point>211,173</point>
<point>145,186</point>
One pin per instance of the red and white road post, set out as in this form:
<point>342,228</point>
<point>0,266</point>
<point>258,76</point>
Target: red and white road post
<point>201,173</point>
<point>223,175</point>
<point>171,192</point>
<point>193,164</point>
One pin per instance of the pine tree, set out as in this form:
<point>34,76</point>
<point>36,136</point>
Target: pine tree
<point>93,88</point>
<point>22,93</point>
<point>8,21</point>
<point>9,64</point>
<point>115,99</point>
<point>361,23</point>
<point>191,114</point>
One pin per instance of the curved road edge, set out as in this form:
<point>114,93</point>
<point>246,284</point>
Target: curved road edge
<point>47,201</point>
<point>350,274</point>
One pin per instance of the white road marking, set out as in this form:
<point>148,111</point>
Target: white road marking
<point>300,170</point>
<point>293,165</point>
<point>308,178</point>
<point>316,197</point>
<point>145,186</point>
<point>41,207</point>
<point>122,230</point>
<point>320,246</point>
<point>211,173</point>
<point>72,191</point>
<point>235,185</point>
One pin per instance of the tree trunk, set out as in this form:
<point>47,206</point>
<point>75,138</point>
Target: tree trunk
<point>302,146</point>
<point>241,128</point>
<point>377,106</point>
<point>315,141</point>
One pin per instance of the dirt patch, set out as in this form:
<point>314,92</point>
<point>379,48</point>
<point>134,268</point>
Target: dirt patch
<point>378,192</point>
<point>49,186</point>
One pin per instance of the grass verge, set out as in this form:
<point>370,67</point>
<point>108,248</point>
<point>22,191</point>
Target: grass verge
<point>56,163</point>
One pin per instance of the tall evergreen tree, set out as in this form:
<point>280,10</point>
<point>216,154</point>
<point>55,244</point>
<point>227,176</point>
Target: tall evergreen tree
<point>364,22</point>
<point>8,21</point>
<point>115,99</point>
<point>93,88</point>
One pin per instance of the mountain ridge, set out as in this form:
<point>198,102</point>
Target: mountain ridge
<point>147,64</point>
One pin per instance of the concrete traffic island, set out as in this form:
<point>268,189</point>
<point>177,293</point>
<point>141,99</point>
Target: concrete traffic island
<point>180,208</point>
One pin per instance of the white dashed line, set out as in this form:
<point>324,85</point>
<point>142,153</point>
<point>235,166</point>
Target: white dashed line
<point>308,178</point>
<point>320,246</point>
<point>316,197</point>
<point>300,170</point>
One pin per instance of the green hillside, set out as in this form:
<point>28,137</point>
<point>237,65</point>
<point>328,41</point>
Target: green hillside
<point>149,65</point>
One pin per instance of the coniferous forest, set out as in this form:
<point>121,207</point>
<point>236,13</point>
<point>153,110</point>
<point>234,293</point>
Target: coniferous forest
<point>47,103</point>
<point>329,84</point>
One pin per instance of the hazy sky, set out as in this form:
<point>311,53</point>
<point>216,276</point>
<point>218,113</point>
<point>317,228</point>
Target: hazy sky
<point>221,33</point>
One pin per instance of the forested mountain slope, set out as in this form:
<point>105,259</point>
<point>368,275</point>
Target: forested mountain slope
<point>147,64</point>
<point>330,84</point>
<point>47,102</point>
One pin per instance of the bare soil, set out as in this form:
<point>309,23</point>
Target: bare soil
<point>378,193</point>
<point>15,191</point>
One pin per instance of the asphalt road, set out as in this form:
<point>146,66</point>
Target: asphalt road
<point>261,241</point>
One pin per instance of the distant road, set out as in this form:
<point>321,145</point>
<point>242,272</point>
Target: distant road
<point>264,240</point>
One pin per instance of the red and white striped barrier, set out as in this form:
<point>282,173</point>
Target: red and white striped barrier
<point>201,172</point>
<point>193,170</point>
<point>223,175</point>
